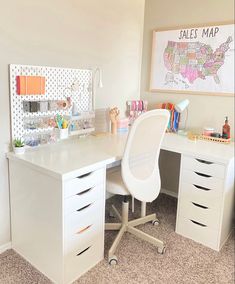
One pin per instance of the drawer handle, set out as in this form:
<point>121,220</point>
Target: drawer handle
<point>84,229</point>
<point>198,205</point>
<point>203,175</point>
<point>204,162</point>
<point>84,207</point>
<point>85,191</point>
<point>83,251</point>
<point>199,224</point>
<point>85,175</point>
<point>201,187</point>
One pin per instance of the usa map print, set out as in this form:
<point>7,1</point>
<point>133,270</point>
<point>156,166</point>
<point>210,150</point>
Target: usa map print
<point>199,59</point>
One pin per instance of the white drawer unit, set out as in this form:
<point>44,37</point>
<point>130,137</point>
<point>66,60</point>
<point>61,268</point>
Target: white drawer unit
<point>84,211</point>
<point>57,225</point>
<point>83,240</point>
<point>205,202</point>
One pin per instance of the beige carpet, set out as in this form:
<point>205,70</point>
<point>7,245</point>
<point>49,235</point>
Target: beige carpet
<point>184,261</point>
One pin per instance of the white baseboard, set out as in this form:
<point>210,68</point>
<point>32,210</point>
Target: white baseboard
<point>5,247</point>
<point>169,192</point>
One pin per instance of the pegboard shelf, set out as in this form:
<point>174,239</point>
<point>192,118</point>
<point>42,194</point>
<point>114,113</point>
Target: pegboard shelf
<point>44,114</point>
<point>60,84</point>
<point>40,130</point>
<point>81,132</point>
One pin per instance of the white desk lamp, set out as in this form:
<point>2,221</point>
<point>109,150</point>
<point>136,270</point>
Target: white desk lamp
<point>180,107</point>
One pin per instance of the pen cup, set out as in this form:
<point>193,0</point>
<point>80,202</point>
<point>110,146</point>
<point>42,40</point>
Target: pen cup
<point>62,133</point>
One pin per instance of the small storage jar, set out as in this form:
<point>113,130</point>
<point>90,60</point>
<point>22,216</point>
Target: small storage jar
<point>207,131</point>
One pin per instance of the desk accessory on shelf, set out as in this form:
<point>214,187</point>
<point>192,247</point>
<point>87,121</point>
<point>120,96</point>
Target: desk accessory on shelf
<point>113,114</point>
<point>81,124</point>
<point>136,108</point>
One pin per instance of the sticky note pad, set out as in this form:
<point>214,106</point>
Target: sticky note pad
<point>30,85</point>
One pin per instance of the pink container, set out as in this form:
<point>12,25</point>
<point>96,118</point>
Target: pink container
<point>207,131</point>
<point>123,123</point>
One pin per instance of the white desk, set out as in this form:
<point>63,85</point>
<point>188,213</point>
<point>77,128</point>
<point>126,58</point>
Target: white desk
<point>58,199</point>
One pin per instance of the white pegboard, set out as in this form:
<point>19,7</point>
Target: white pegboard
<point>58,82</point>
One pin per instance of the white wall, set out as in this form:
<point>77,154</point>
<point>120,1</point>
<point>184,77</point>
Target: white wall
<point>74,33</point>
<point>203,110</point>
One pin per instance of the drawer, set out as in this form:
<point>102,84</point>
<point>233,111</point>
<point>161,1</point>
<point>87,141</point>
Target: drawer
<point>84,198</point>
<point>83,217</point>
<point>203,166</point>
<point>86,257</point>
<point>197,232</point>
<point>81,183</point>
<point>86,232</point>
<point>200,212</point>
<point>201,179</point>
<point>200,194</point>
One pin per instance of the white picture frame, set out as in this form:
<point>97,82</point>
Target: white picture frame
<point>194,59</point>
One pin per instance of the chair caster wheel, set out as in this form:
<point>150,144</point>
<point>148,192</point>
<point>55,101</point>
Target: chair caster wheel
<point>161,250</point>
<point>156,222</point>
<point>113,260</point>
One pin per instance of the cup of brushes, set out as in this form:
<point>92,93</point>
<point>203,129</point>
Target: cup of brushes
<point>62,127</point>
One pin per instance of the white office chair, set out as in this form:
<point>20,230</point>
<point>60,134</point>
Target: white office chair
<point>139,176</point>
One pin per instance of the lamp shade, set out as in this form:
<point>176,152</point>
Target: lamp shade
<point>181,106</point>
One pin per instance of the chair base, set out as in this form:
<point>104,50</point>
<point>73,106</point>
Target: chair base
<point>129,226</point>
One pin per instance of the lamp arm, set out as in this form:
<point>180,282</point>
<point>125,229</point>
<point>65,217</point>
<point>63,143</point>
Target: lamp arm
<point>100,85</point>
<point>186,119</point>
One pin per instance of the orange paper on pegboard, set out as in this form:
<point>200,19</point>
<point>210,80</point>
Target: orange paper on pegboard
<point>30,85</point>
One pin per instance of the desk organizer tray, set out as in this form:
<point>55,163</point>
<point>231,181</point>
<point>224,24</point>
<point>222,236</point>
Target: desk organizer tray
<point>214,139</point>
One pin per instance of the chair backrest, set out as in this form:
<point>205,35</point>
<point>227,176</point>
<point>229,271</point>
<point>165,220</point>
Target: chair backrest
<point>140,169</point>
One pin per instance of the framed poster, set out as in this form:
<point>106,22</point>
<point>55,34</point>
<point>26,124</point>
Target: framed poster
<point>197,59</point>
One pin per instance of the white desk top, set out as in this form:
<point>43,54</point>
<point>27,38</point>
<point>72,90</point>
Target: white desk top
<point>74,157</point>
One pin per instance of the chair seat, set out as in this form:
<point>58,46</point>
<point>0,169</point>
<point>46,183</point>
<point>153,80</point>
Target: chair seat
<point>115,184</point>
